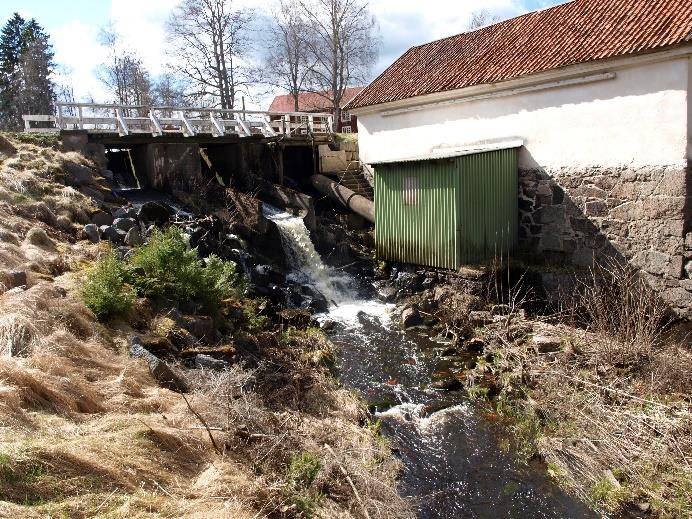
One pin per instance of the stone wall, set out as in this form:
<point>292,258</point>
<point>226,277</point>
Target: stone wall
<point>644,215</point>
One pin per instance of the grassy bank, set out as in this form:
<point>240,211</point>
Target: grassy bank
<point>600,391</point>
<point>87,430</point>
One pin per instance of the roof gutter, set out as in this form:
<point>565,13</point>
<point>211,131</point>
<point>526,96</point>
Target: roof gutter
<point>556,78</point>
<point>457,151</point>
<point>505,93</point>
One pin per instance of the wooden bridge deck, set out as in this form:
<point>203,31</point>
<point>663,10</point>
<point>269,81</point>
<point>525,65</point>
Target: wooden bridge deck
<point>182,122</point>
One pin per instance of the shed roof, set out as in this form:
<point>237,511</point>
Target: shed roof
<point>575,32</point>
<point>456,152</point>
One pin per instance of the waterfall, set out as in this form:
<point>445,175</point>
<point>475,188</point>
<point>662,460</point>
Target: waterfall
<point>304,262</point>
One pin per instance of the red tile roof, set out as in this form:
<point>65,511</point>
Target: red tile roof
<point>310,101</point>
<point>567,34</point>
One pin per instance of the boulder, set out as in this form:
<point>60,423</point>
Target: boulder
<point>92,233</point>
<point>475,345</point>
<point>107,174</point>
<point>408,281</point>
<point>156,212</point>
<point>162,372</point>
<point>125,212</point>
<point>78,175</point>
<point>110,233</point>
<point>13,278</point>
<point>447,384</point>
<point>6,147</point>
<point>314,299</point>
<point>101,218</point>
<point>208,362</point>
<point>387,293</point>
<point>38,237</point>
<point>547,343</point>
<point>133,238</point>
<point>124,224</point>
<point>411,317</point>
<point>200,326</point>
<point>265,275</point>
<point>157,345</point>
<point>273,293</point>
<point>64,222</point>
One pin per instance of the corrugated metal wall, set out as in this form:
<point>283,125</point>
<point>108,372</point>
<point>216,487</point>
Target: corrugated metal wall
<point>447,212</point>
<point>487,205</point>
<point>415,212</point>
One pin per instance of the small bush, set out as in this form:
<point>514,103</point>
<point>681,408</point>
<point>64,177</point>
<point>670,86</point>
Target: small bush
<point>303,469</point>
<point>165,267</point>
<point>105,292</point>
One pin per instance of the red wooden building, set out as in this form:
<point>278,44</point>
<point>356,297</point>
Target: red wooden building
<point>314,102</point>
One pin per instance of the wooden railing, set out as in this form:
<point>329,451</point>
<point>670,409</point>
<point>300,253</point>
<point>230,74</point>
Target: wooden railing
<point>188,121</point>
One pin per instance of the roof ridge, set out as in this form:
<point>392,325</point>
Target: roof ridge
<point>506,20</point>
<point>577,31</point>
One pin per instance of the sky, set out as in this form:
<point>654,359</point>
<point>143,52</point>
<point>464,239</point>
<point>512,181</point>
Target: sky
<point>73,26</point>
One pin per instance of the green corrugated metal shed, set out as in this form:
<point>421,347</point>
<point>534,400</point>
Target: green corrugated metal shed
<point>448,210</point>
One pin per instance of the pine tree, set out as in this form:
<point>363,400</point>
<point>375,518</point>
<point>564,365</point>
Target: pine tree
<point>10,51</point>
<point>36,66</point>
<point>26,64</point>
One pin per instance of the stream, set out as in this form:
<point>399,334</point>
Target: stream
<point>453,465</point>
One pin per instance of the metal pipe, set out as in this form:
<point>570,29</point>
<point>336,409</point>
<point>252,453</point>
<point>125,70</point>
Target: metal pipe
<point>355,202</point>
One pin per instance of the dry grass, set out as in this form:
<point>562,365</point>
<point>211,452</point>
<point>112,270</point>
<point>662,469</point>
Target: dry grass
<point>85,426</point>
<point>610,411</point>
<point>85,431</point>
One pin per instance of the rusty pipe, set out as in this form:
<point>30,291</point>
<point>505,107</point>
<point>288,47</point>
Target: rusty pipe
<point>353,201</point>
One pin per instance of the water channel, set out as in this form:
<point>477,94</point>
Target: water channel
<point>453,465</point>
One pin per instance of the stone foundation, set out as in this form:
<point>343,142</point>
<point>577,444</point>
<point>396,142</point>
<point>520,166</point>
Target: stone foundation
<point>641,214</point>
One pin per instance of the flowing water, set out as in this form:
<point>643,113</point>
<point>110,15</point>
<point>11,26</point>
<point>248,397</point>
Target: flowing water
<point>453,464</point>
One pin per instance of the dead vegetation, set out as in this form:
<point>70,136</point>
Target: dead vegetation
<point>602,391</point>
<point>87,432</point>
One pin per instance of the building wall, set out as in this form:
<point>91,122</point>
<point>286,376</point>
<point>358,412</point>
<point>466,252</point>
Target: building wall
<point>604,169</point>
<point>353,124</point>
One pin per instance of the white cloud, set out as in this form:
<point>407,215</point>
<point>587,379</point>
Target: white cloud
<point>77,50</point>
<point>141,23</point>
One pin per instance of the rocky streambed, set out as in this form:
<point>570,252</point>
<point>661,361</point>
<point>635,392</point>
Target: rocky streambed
<point>408,361</point>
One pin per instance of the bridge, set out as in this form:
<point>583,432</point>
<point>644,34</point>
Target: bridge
<point>189,122</point>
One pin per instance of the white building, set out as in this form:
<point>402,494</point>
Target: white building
<point>598,90</point>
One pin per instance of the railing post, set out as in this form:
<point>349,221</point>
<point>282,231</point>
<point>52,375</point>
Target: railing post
<point>156,125</point>
<point>311,123</point>
<point>81,118</point>
<point>188,131</point>
<point>59,119</point>
<point>217,129</point>
<point>123,129</point>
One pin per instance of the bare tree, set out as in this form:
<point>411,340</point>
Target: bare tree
<point>343,46</point>
<point>169,91</point>
<point>124,74</point>
<point>480,19</point>
<point>210,47</point>
<point>287,62</point>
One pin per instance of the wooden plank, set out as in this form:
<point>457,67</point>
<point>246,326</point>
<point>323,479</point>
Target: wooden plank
<point>122,125</point>
<point>156,127</point>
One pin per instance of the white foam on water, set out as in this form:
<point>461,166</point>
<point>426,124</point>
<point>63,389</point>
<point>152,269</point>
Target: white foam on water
<point>307,267</point>
<point>410,412</point>
<point>304,261</point>
<point>347,313</point>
